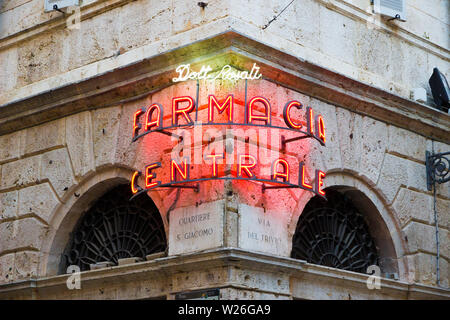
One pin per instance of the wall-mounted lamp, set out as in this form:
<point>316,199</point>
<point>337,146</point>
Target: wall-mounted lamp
<point>440,90</point>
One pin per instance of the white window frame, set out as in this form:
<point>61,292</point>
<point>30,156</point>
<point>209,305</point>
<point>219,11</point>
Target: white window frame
<point>389,12</point>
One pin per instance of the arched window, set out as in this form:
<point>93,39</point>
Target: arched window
<point>334,233</point>
<point>115,228</point>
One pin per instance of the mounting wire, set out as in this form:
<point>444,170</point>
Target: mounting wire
<point>275,17</point>
<point>397,17</point>
<point>436,220</point>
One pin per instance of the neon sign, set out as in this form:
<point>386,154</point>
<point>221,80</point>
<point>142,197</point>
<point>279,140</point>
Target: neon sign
<point>226,73</point>
<point>185,108</point>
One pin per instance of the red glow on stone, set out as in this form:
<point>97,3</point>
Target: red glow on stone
<point>136,124</point>
<point>214,164</point>
<point>284,175</point>
<point>242,166</point>
<point>251,116</point>
<point>320,175</point>
<point>227,104</point>
<point>175,167</point>
<point>134,190</point>
<point>176,111</point>
<point>287,115</point>
<point>149,176</point>
<point>149,123</point>
<point>309,119</point>
<point>302,181</point>
<point>320,127</point>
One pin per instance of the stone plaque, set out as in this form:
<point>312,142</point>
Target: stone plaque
<point>194,229</point>
<point>263,231</point>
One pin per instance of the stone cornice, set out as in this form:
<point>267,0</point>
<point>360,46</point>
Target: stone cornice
<point>161,269</point>
<point>134,75</point>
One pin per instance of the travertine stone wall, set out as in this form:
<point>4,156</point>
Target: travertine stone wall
<point>47,171</point>
<point>341,35</point>
<point>44,170</point>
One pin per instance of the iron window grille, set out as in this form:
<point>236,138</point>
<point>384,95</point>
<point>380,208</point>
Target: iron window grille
<point>334,233</point>
<point>115,228</point>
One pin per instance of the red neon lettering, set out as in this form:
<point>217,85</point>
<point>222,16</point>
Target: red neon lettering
<point>149,123</point>
<point>320,175</point>
<point>320,128</point>
<point>134,190</point>
<point>149,175</point>
<point>277,174</point>
<point>176,112</point>
<point>214,166</point>
<point>136,125</point>
<point>251,116</point>
<point>302,175</point>
<point>246,167</point>
<point>309,119</point>
<point>228,103</point>
<point>287,116</point>
<point>174,167</point>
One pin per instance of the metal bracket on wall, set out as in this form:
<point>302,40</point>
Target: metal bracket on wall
<point>438,168</point>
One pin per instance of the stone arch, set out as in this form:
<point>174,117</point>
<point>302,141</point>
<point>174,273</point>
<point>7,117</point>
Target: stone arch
<point>74,205</point>
<point>383,223</point>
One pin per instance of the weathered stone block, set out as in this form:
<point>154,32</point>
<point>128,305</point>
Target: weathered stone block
<point>8,72</point>
<point>263,231</point>
<point>79,142</point>
<point>443,212</point>
<point>8,5</point>
<point>265,281</point>
<point>190,16</point>
<point>406,143</point>
<point>22,233</point>
<point>443,190</point>
<point>125,150</point>
<point>56,167</point>
<point>417,175</point>
<point>46,136</point>
<point>7,268</point>
<point>26,264</point>
<point>39,57</point>
<point>154,256</point>
<point>374,142</point>
<point>125,261</point>
<point>410,204</point>
<point>342,28</point>
<point>106,128</point>
<point>424,269</point>
<point>393,175</point>
<point>9,146</point>
<point>101,265</point>
<point>21,172</point>
<point>349,129</point>
<point>8,205</point>
<point>196,228</point>
<point>39,200</point>
<point>373,52</point>
<point>331,153</point>
<point>422,237</point>
<point>153,26</point>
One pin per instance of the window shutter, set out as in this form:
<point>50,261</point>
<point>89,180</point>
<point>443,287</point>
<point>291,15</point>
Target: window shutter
<point>48,4</point>
<point>390,8</point>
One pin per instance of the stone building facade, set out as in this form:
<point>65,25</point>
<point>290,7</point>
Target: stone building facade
<point>69,94</point>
